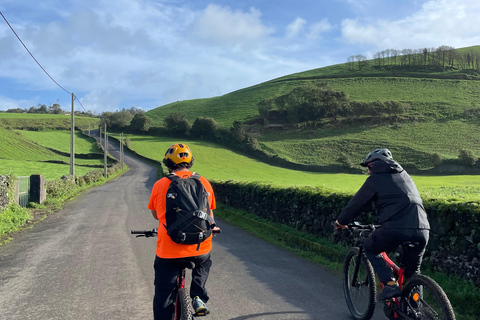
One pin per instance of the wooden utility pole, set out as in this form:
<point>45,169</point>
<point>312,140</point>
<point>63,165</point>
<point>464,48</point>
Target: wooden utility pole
<point>105,151</point>
<point>72,139</point>
<point>121,150</point>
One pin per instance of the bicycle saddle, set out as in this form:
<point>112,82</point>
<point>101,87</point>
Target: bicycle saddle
<point>185,263</point>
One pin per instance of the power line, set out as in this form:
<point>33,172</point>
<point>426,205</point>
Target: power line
<point>39,62</point>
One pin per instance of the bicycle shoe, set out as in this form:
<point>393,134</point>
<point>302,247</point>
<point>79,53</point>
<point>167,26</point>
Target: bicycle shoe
<point>390,290</point>
<point>200,307</point>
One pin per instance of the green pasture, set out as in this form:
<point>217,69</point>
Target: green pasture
<point>215,162</point>
<point>23,153</point>
<point>51,171</point>
<point>411,143</point>
<point>60,140</point>
<point>45,121</point>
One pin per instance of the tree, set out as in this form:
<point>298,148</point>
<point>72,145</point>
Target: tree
<point>177,123</point>
<point>204,128</point>
<point>361,61</point>
<point>140,122</point>
<point>238,131</point>
<point>55,109</point>
<point>467,158</point>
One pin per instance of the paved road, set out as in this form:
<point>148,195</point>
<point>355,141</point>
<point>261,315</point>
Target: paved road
<point>82,263</point>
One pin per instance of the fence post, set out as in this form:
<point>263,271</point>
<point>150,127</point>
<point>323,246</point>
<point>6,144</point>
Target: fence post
<point>38,193</point>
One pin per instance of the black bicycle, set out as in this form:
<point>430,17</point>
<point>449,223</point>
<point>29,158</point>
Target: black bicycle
<point>421,297</point>
<point>183,303</point>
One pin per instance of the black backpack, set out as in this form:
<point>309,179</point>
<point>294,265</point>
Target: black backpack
<point>188,212</point>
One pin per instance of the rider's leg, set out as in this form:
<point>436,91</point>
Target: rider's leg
<point>412,258</point>
<point>199,276</point>
<point>381,240</point>
<point>166,273</point>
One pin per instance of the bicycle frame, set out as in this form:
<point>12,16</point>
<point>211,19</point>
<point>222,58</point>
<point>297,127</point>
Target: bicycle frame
<point>400,272</point>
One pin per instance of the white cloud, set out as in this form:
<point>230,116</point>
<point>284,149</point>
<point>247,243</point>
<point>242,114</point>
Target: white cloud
<point>222,26</point>
<point>438,22</point>
<point>318,28</point>
<point>8,103</point>
<point>294,28</point>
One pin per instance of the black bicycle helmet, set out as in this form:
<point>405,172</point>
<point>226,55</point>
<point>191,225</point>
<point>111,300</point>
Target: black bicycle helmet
<point>377,154</point>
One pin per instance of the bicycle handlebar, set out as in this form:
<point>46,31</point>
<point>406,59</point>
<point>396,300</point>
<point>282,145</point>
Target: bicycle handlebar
<point>358,226</point>
<point>153,232</point>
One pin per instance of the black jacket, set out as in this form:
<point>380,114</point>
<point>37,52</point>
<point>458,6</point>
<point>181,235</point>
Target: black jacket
<point>397,202</point>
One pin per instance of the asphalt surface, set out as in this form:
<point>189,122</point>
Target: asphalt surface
<point>83,263</point>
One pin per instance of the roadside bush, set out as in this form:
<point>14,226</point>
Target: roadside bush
<point>60,188</point>
<point>6,190</point>
<point>13,217</point>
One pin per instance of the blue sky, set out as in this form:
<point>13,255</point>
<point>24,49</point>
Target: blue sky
<point>116,54</point>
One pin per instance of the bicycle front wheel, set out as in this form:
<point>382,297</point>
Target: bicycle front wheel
<point>359,285</point>
<point>423,298</point>
<point>185,305</point>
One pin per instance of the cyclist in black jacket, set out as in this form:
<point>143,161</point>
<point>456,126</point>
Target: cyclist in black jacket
<point>399,210</point>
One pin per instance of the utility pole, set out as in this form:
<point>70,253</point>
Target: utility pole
<point>121,150</point>
<point>105,151</point>
<point>72,139</point>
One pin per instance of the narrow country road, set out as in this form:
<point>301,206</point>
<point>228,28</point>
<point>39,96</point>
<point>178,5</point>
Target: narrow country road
<point>82,263</point>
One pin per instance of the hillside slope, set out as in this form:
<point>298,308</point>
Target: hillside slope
<point>442,118</point>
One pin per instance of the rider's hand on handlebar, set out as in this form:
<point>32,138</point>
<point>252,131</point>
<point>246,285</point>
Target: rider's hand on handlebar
<point>340,226</point>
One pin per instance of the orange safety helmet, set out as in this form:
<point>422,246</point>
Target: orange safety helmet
<point>178,153</point>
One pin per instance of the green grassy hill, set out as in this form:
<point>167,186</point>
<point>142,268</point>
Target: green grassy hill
<point>23,153</point>
<point>443,117</point>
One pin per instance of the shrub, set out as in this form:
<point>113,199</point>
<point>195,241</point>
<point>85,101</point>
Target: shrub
<point>204,128</point>
<point>436,159</point>
<point>177,123</point>
<point>467,158</point>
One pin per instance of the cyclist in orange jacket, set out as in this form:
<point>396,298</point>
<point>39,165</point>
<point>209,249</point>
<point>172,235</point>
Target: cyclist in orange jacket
<point>400,212</point>
<point>169,255</point>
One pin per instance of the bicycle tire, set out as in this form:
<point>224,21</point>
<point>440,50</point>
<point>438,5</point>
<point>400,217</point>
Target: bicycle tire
<point>431,302</point>
<point>186,308</point>
<point>360,297</point>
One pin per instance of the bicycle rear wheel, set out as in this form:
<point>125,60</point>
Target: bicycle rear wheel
<point>185,309</point>
<point>360,292</point>
<point>423,298</point>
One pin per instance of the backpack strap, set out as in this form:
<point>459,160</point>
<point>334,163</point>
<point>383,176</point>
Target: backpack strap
<point>200,214</point>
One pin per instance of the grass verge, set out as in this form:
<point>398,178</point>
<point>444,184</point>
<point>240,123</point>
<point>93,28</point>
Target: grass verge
<point>464,295</point>
<point>16,218</point>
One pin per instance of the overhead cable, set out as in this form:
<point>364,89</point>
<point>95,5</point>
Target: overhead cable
<point>39,62</point>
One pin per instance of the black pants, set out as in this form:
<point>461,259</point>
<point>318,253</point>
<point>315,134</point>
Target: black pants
<point>387,240</point>
<point>166,273</point>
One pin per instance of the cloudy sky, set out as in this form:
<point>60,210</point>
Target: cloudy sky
<point>115,54</point>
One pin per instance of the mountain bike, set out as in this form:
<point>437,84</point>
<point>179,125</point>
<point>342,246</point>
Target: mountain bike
<point>421,297</point>
<point>182,303</point>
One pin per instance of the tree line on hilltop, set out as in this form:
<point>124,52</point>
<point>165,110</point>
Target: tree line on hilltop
<point>443,56</point>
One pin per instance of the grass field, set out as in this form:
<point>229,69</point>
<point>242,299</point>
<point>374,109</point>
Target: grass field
<point>60,140</point>
<point>217,163</point>
<point>411,143</point>
<point>23,153</point>
<point>45,121</point>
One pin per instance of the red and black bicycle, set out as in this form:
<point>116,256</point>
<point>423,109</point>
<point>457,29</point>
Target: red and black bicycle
<point>183,302</point>
<point>421,297</point>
